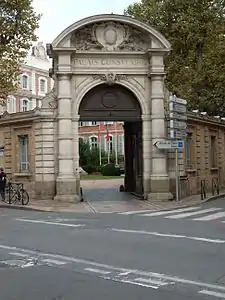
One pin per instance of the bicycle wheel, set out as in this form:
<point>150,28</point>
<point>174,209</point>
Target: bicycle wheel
<point>24,197</point>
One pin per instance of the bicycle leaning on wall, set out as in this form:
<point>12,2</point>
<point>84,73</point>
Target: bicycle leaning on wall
<point>15,193</point>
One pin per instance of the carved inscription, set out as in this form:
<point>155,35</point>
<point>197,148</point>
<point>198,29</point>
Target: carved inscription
<point>110,62</point>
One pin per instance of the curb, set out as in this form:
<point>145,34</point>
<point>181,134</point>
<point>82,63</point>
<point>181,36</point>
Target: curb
<point>91,210</point>
<point>212,198</point>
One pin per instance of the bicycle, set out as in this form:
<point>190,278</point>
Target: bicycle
<point>15,193</point>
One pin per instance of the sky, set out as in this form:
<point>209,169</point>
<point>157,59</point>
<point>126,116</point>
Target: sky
<point>57,15</point>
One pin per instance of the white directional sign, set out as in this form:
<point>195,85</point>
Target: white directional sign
<point>169,144</point>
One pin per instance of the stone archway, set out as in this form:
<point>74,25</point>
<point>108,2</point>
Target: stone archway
<point>109,49</point>
<point>112,102</point>
<point>109,103</point>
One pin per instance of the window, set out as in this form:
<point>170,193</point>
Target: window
<point>94,123</point>
<point>213,152</point>
<point>93,142</point>
<point>81,124</point>
<point>11,104</point>
<point>24,82</point>
<point>24,105</point>
<point>109,144</point>
<point>189,151</point>
<point>23,144</point>
<point>42,86</point>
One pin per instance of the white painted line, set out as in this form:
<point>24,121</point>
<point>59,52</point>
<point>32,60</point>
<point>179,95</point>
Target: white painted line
<point>208,240</point>
<point>211,217</point>
<point>18,254</point>
<point>212,293</point>
<point>117,269</point>
<point>54,261</point>
<point>152,281</point>
<point>189,214</point>
<point>97,271</point>
<point>49,223</point>
<point>167,212</point>
<point>124,274</point>
<point>135,212</point>
<point>131,282</point>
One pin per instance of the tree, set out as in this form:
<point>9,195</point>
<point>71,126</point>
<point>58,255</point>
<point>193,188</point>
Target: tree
<point>18,23</point>
<point>196,65</point>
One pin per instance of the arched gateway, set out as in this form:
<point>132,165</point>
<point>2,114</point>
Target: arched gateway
<point>108,68</point>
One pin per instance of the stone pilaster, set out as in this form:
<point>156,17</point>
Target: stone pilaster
<point>45,155</point>
<point>75,126</point>
<point>66,183</point>
<point>160,188</point>
<point>146,137</point>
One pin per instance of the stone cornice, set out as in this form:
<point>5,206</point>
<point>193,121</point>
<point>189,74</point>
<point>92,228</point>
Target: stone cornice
<point>196,118</point>
<point>19,117</point>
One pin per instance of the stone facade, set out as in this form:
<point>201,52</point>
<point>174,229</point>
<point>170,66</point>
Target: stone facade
<point>110,50</point>
<point>206,136</point>
<point>34,82</point>
<point>119,56</point>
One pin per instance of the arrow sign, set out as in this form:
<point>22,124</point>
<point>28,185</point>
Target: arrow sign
<point>169,144</point>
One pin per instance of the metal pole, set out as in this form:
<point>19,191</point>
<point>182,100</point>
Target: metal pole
<point>116,144</point>
<point>100,153</point>
<point>108,151</point>
<point>177,175</point>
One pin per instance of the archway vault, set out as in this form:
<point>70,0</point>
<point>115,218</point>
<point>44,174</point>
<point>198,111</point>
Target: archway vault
<point>109,103</point>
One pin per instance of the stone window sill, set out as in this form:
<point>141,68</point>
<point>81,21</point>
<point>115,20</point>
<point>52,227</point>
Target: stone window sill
<point>191,170</point>
<point>23,174</point>
<point>214,169</point>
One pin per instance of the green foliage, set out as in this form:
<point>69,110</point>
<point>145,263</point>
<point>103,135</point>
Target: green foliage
<point>110,170</point>
<point>18,23</point>
<point>196,65</point>
<point>89,169</point>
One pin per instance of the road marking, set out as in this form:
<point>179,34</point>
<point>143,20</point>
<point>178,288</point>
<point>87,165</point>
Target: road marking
<point>135,212</point>
<point>188,214</point>
<point>124,274</point>
<point>18,254</point>
<point>130,282</point>
<point>53,261</point>
<point>152,281</point>
<point>212,293</point>
<point>211,217</point>
<point>97,271</point>
<point>167,212</point>
<point>111,268</point>
<point>49,223</point>
<point>208,240</point>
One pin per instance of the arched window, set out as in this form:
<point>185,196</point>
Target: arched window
<point>93,142</point>
<point>11,104</point>
<point>24,105</point>
<point>24,82</point>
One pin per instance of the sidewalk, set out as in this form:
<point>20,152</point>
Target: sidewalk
<point>112,206</point>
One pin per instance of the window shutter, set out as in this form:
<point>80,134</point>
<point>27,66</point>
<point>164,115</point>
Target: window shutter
<point>21,81</point>
<point>113,143</point>
<point>102,142</point>
<point>30,83</point>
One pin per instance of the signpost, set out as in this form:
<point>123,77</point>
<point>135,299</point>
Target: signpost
<point>177,130</point>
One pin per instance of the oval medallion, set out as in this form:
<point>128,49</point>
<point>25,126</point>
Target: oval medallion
<point>110,36</point>
<point>109,100</point>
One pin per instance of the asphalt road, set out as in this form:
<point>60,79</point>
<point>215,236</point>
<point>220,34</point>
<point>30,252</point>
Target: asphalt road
<point>163,256</point>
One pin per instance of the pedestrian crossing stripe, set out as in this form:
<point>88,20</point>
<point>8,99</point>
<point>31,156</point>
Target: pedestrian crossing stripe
<point>206,214</point>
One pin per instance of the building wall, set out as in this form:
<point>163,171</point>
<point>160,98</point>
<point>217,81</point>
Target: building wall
<point>204,152</point>
<point>90,133</point>
<point>35,68</point>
